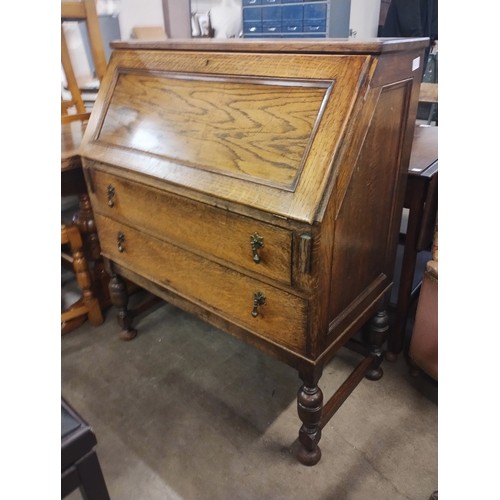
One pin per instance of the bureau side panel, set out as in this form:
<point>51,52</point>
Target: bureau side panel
<point>369,210</point>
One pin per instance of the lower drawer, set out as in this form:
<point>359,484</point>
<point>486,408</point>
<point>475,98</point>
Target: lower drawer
<point>281,318</point>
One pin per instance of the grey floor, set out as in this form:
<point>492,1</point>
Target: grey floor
<point>185,411</point>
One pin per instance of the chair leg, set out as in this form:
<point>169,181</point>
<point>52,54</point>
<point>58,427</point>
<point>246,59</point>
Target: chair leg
<point>90,305</point>
<point>84,219</point>
<point>92,484</point>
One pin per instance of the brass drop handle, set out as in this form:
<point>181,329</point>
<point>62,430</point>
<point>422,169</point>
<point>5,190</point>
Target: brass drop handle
<point>259,299</point>
<point>120,239</point>
<point>256,242</point>
<point>111,196</point>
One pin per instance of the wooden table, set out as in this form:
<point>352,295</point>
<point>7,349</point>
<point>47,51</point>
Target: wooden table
<point>72,181</point>
<point>421,198</point>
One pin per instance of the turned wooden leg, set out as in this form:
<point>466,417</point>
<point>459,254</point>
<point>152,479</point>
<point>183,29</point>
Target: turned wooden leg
<point>309,407</point>
<point>119,298</point>
<point>84,219</point>
<point>375,337</point>
<point>88,305</point>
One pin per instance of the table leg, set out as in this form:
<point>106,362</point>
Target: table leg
<point>375,337</point>
<point>416,207</point>
<point>119,298</point>
<point>309,408</point>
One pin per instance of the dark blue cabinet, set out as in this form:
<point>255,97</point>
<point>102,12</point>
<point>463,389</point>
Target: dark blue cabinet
<point>296,18</point>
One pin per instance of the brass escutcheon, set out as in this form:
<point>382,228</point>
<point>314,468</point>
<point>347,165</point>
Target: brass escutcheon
<point>259,299</point>
<point>256,242</point>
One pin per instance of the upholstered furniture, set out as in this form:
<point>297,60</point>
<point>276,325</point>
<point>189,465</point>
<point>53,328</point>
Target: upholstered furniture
<point>423,348</point>
<point>260,186</point>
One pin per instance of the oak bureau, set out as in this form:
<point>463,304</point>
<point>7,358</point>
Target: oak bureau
<point>259,185</point>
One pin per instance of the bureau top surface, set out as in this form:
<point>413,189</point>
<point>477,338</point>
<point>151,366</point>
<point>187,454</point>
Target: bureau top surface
<point>312,45</point>
<point>258,124</point>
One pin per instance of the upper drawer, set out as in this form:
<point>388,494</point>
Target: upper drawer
<point>232,238</point>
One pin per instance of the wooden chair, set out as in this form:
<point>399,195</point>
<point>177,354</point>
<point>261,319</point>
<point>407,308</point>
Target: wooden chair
<point>85,11</point>
<point>88,306</point>
<point>74,117</point>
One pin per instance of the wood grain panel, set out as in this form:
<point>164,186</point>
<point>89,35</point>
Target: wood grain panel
<point>253,130</point>
<point>260,176</point>
<point>367,216</point>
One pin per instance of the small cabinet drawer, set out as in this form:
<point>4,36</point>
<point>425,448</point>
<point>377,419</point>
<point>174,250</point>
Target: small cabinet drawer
<point>219,234</point>
<point>292,13</point>
<point>261,308</point>
<point>314,26</point>
<point>314,11</point>
<point>252,15</point>
<point>252,27</point>
<point>271,27</point>
<point>291,27</point>
<point>272,14</point>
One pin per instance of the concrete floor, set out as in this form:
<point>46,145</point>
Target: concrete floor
<point>185,411</point>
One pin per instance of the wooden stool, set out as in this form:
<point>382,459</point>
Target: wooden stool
<point>79,463</point>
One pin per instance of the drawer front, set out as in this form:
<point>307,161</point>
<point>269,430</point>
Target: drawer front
<point>291,27</point>
<point>282,318</point>
<point>292,13</point>
<point>270,27</point>
<point>200,227</point>
<point>315,11</point>
<point>252,15</point>
<point>252,27</point>
<point>314,27</point>
<point>272,14</point>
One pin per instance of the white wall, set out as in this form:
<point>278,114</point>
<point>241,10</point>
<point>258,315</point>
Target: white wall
<point>364,18</point>
<point>202,5</point>
<point>139,13</point>
<point>179,18</point>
